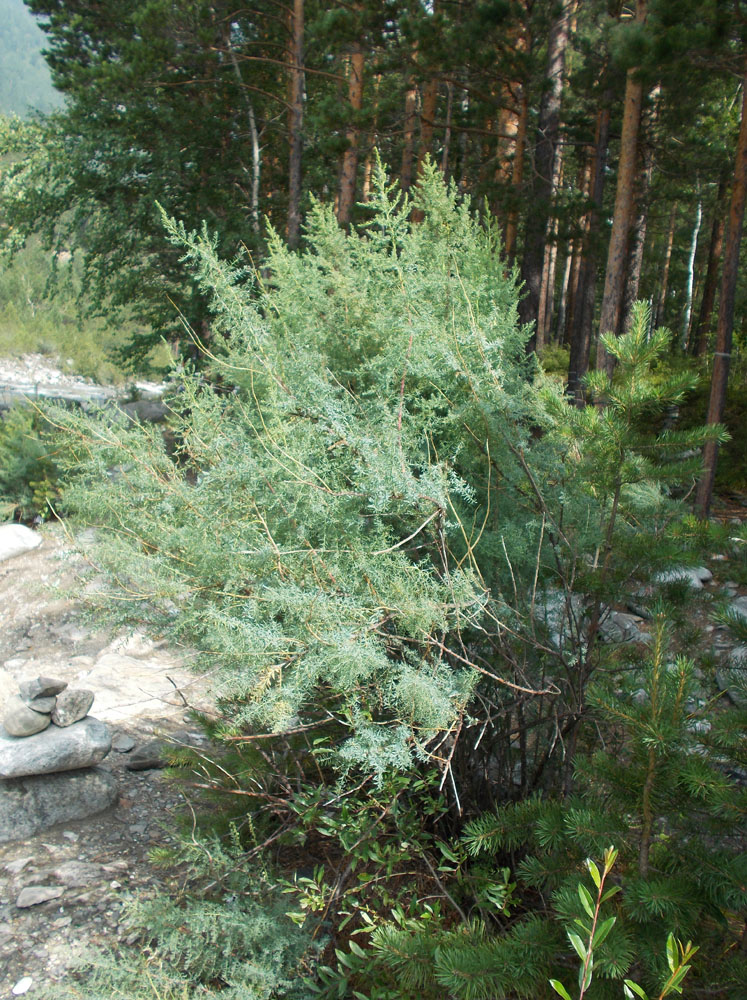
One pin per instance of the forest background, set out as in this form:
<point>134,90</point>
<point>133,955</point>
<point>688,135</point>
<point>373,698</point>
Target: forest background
<point>604,150</point>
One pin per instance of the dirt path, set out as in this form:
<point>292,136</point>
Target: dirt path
<point>141,691</point>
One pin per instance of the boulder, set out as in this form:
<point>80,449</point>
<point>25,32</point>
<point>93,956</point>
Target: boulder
<point>20,720</point>
<point>15,539</point>
<point>80,745</point>
<point>695,577</point>
<point>40,687</point>
<point>72,706</point>
<point>30,805</point>
<point>618,626</point>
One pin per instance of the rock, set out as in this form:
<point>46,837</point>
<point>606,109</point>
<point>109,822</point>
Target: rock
<point>43,705</point>
<point>684,574</point>
<point>22,986</point>
<point>80,745</point>
<point>739,607</point>
<point>32,895</point>
<point>76,874</point>
<point>621,627</point>
<point>40,687</point>
<point>732,677</point>
<point>30,805</point>
<point>136,644</point>
<point>150,755</point>
<point>72,706</point>
<point>15,539</point>
<point>123,743</point>
<point>16,867</point>
<point>20,720</point>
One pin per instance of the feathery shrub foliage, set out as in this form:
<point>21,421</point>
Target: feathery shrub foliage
<point>376,514</point>
<point>396,544</point>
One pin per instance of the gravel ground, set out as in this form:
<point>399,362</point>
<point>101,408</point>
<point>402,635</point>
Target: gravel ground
<point>91,865</point>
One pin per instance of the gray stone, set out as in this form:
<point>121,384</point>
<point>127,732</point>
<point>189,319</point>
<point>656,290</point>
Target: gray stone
<point>77,874</point>
<point>621,627</point>
<point>80,745</point>
<point>739,607</point>
<point>32,895</point>
<point>682,573</point>
<point>732,676</point>
<point>43,705</point>
<point>123,743</point>
<point>149,756</point>
<point>15,539</point>
<point>72,706</point>
<point>20,720</point>
<point>31,805</point>
<point>16,867</point>
<point>41,687</point>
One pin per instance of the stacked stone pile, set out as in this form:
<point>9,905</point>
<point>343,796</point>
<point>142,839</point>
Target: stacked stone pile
<point>49,747</point>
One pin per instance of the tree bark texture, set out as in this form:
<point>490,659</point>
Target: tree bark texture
<point>614,279</point>
<point>544,173</point>
<point>350,157</point>
<point>517,174</point>
<point>295,123</point>
<point>640,226</point>
<point>408,146</point>
<point>583,308</point>
<point>725,328</point>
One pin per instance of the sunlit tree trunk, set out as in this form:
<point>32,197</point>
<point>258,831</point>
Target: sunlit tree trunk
<point>368,163</point>
<point>640,226</point>
<point>408,145</point>
<point>447,130</point>
<point>350,157</point>
<point>622,220</point>
<point>296,122</point>
<point>517,174</point>
<point>724,330</point>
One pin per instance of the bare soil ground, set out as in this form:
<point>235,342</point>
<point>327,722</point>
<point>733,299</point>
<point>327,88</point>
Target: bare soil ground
<point>142,691</point>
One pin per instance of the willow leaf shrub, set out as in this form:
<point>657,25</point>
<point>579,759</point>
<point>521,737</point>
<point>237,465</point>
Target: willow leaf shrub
<point>371,512</point>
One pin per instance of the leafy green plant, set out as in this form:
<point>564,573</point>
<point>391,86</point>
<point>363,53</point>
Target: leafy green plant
<point>29,463</point>
<point>596,930</point>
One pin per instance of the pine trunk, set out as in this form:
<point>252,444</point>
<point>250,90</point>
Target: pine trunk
<point>638,238</point>
<point>517,174</point>
<point>408,146</point>
<point>544,174</point>
<point>583,308</point>
<point>350,158</point>
<point>447,130</point>
<point>622,220</point>
<point>725,328</point>
<point>296,123</point>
